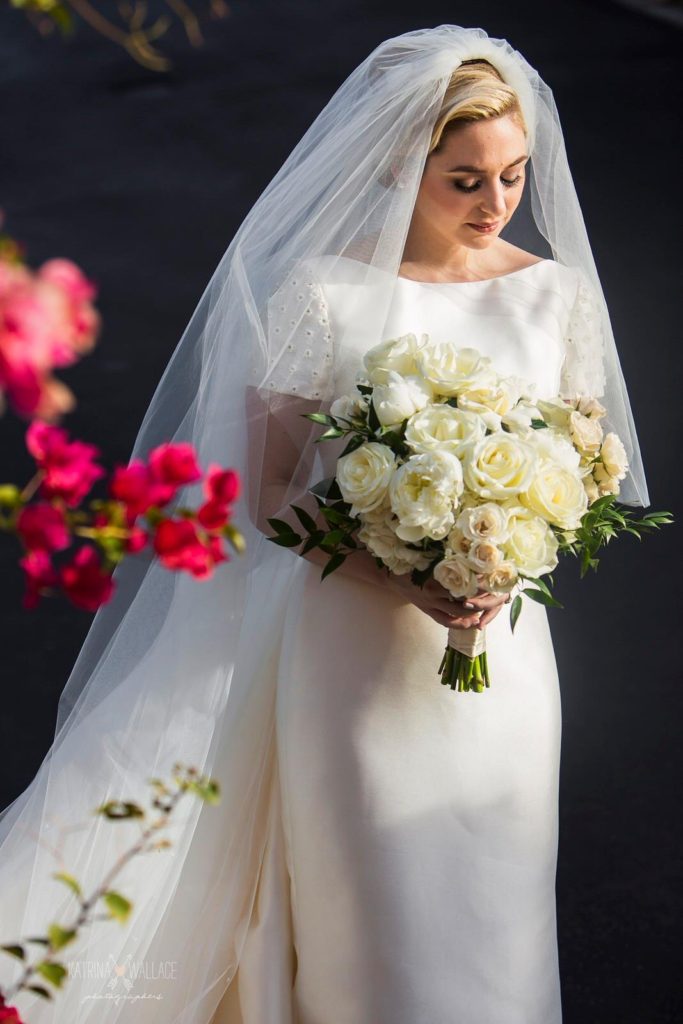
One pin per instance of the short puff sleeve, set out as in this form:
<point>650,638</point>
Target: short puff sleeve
<point>300,343</point>
<point>583,370</point>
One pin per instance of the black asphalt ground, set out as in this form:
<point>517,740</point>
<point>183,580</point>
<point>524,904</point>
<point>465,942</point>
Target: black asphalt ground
<point>142,178</point>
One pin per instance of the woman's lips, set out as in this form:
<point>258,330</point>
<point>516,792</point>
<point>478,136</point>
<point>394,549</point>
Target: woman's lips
<point>484,228</point>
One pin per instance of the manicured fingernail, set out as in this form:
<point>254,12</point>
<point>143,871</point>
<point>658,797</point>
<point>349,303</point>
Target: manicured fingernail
<point>468,604</point>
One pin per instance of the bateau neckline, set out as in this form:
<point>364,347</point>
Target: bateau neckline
<point>484,280</point>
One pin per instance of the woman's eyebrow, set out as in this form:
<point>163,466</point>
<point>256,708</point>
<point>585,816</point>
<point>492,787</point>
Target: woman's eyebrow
<point>478,170</point>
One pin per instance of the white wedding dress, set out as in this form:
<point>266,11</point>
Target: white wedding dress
<point>409,874</point>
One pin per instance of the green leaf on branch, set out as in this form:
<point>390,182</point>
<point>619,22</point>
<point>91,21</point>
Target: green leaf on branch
<point>515,610</point>
<point>119,907</point>
<point>52,972</point>
<point>306,520</point>
<point>120,809</point>
<point>331,539</point>
<point>39,991</point>
<point>540,597</point>
<point>281,527</point>
<point>14,950</point>
<point>59,936</point>
<point>353,444</point>
<point>321,417</point>
<point>327,488</point>
<point>286,540</point>
<point>313,541</point>
<point>538,424</point>
<point>333,564</point>
<point>69,880</point>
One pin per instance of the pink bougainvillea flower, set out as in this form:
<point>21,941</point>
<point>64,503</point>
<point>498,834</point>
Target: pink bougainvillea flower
<point>213,514</point>
<point>84,581</point>
<point>178,546</point>
<point>39,573</point>
<point>222,485</point>
<point>8,1014</point>
<point>43,527</point>
<point>136,541</point>
<point>68,465</point>
<point>135,486</point>
<point>174,463</point>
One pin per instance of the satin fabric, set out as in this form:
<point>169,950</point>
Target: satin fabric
<point>409,873</point>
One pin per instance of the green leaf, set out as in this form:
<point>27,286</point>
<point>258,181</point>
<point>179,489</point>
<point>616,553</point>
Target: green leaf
<point>290,540</point>
<point>542,598</point>
<point>14,950</point>
<point>120,809</point>
<point>69,880</point>
<point>327,488</point>
<point>515,609</point>
<point>330,434</point>
<point>353,444</point>
<point>313,541</point>
<point>333,564</point>
<point>280,526</point>
<point>209,791</point>
<point>52,972</point>
<point>59,936</point>
<point>540,583</point>
<point>333,516</point>
<point>331,539</point>
<point>39,991</point>
<point>373,419</point>
<point>119,907</point>
<point>538,424</point>
<point>306,520</point>
<point>320,417</point>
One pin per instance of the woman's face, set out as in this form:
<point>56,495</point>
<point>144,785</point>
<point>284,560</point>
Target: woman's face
<point>451,199</point>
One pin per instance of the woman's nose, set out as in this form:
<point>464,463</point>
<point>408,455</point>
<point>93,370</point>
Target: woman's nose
<point>492,202</point>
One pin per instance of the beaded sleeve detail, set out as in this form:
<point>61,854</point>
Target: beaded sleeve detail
<point>583,370</point>
<point>300,337</point>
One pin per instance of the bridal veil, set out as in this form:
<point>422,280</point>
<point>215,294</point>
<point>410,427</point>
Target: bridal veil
<point>179,670</point>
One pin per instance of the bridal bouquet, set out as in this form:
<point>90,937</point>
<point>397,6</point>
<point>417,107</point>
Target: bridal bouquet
<point>455,472</point>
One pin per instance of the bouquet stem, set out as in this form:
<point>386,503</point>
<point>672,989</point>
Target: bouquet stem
<point>464,666</point>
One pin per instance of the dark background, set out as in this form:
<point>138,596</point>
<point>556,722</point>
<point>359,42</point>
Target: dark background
<point>142,178</point>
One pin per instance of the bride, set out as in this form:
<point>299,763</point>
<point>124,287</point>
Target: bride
<point>384,851</point>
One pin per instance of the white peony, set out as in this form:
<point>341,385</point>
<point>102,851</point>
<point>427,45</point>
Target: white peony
<point>557,494</point>
<point>423,493</point>
<point>364,475</point>
<point>451,369</point>
<point>455,575</point>
<point>397,354</point>
<point>378,535</point>
<point>443,427</point>
<point>531,544</point>
<point>487,521</point>
<point>500,465</point>
<point>554,444</point>
<point>399,398</point>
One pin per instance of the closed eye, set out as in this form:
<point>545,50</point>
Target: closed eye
<point>473,188</point>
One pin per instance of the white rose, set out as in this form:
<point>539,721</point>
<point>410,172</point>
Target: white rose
<point>613,455</point>
<point>364,475</point>
<point>455,575</point>
<point>423,493</point>
<point>484,556</point>
<point>451,369</point>
<point>591,407</point>
<point>442,427</point>
<point>349,408</point>
<point>397,354</point>
<point>500,465</point>
<point>586,433</point>
<point>519,418</point>
<point>499,397</point>
<point>502,579</point>
<point>400,398</point>
<point>457,542</point>
<point>556,411</point>
<point>484,522</point>
<point>557,494</point>
<point>531,545</point>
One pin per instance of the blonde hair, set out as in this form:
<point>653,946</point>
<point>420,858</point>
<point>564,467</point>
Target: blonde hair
<point>476,92</point>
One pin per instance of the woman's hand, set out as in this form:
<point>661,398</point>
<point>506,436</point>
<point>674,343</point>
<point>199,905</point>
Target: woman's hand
<point>435,601</point>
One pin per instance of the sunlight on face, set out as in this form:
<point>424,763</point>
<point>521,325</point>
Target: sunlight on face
<point>449,202</point>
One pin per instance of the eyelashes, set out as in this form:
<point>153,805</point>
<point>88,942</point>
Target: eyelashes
<point>473,188</point>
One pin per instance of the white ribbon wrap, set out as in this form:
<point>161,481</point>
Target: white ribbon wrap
<point>470,641</point>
